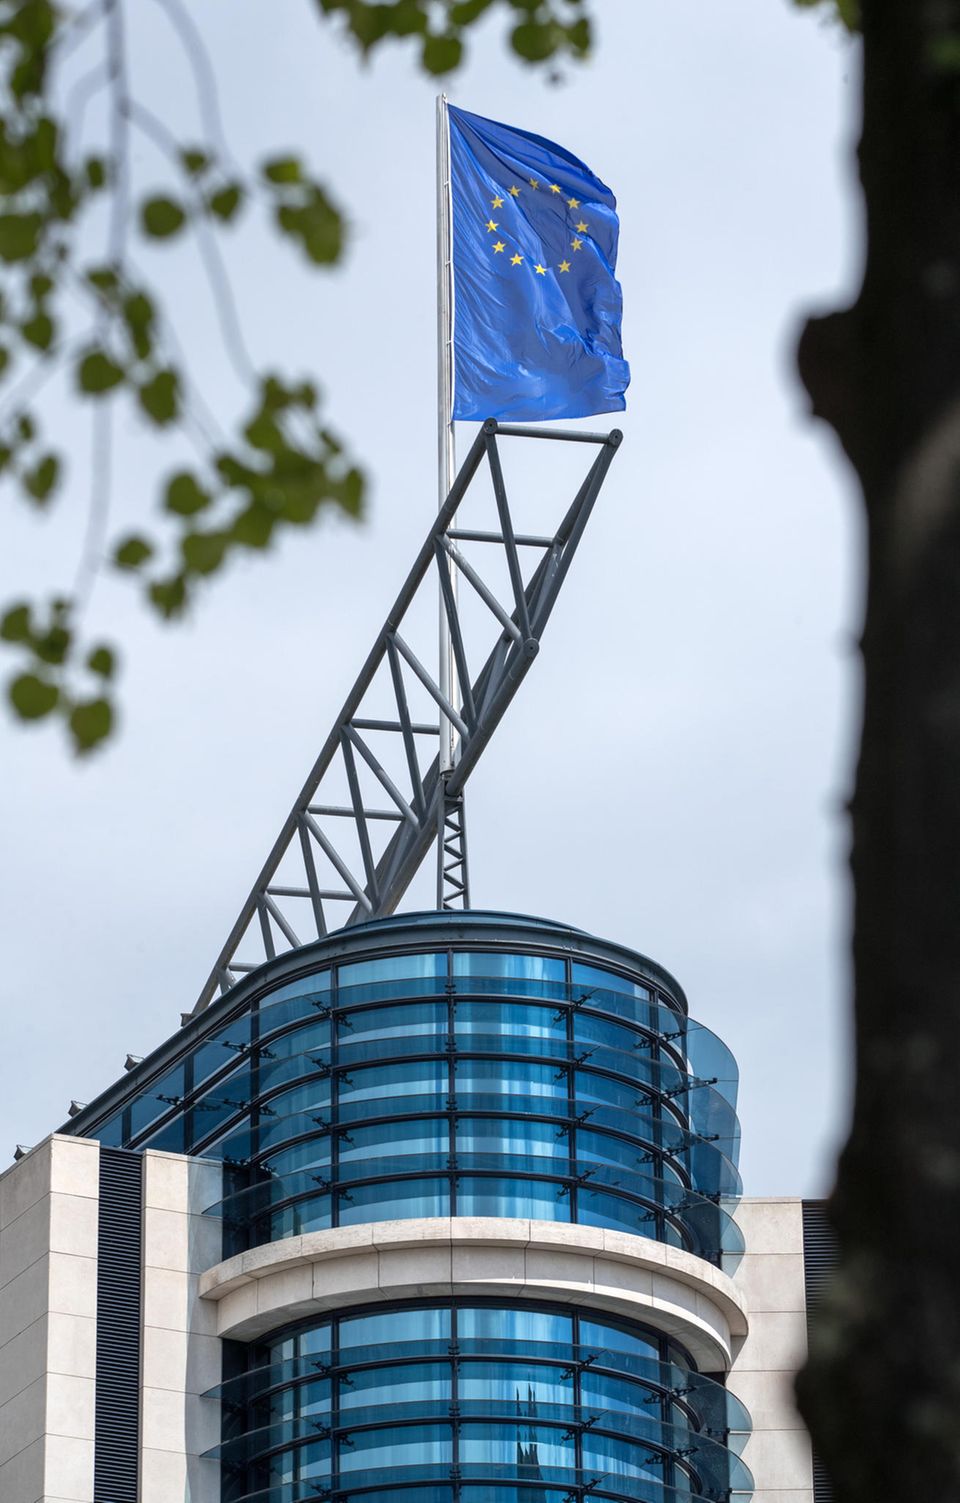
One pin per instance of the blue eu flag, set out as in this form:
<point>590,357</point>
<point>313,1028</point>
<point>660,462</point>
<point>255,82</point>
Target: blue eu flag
<point>537,307</point>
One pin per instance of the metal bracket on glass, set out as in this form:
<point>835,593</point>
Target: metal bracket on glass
<point>376,798</point>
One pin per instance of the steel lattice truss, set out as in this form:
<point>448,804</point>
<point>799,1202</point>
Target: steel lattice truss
<point>376,799</point>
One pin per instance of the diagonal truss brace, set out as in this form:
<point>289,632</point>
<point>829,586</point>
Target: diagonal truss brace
<point>429,804</point>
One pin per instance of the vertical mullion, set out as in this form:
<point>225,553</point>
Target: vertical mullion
<point>335,1098</point>
<point>451,1084</point>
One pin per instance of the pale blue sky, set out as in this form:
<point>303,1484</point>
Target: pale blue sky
<point>672,774</point>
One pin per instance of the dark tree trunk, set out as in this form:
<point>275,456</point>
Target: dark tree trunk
<point>881,1391</point>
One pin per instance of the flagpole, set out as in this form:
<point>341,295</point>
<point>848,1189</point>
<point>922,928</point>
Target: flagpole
<point>449,685</point>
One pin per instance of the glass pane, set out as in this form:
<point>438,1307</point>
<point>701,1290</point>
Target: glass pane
<point>618,1338</point>
<point>394,1326</point>
<point>420,1077</point>
<point>409,1383</point>
<point>519,1445</point>
<point>489,1322</point>
<point>387,1139</point>
<point>517,967</point>
<point>396,1200</point>
<point>391,968</point>
<point>492,1018</point>
<point>396,1446</point>
<point>510,1077</point>
<point>392,1022</point>
<point>594,976</point>
<point>512,1197</point>
<point>157,1099</point>
<point>512,1136</point>
<point>513,1382</point>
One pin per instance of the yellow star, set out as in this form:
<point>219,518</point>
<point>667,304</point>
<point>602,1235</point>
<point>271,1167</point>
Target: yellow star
<point>491,225</point>
<point>515,191</point>
<point>573,203</point>
<point>554,187</point>
<point>497,203</point>
<point>564,265</point>
<point>582,227</point>
<point>515,260</point>
<point>541,271</point>
<point>534,183</point>
<point>576,243</point>
<point>499,247</point>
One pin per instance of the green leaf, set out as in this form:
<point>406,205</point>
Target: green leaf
<point>195,161</point>
<point>38,331</point>
<point>90,722</point>
<point>534,40</point>
<point>316,225</point>
<point>19,236</point>
<point>160,397</point>
<point>132,552</point>
<point>203,551</point>
<point>32,697</point>
<point>40,286</point>
<point>96,171</point>
<point>102,662</point>
<point>226,201</point>
<point>104,278</point>
<point>185,496</point>
<point>169,596</point>
<point>97,373</point>
<point>161,217</point>
<point>40,481</point>
<point>283,170</point>
<point>4,360</point>
<point>52,647</point>
<point>441,54</point>
<point>15,624</point>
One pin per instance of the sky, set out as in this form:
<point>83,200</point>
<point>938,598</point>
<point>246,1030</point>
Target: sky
<point>673,772</point>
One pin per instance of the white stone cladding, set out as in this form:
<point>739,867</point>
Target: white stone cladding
<point>467,1256</point>
<point>48,1317</point>
<point>181,1350</point>
<point>771,1281</point>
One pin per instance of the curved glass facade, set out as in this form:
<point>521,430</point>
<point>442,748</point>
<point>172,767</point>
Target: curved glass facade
<point>484,1403</point>
<point>463,1064</point>
<point>458,1081</point>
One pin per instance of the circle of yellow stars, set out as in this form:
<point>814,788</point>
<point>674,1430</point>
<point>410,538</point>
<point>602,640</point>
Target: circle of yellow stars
<point>499,246</point>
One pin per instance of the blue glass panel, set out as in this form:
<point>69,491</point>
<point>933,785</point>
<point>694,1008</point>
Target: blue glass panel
<point>592,1030</point>
<point>599,1334</point>
<point>512,1197</point>
<point>512,1135</point>
<point>312,1155</point>
<point>394,1326</point>
<point>111,1134</point>
<point>393,1201</point>
<point>389,1081</point>
<point>510,1077</point>
<point>156,1100</point>
<point>518,1324</point>
<point>404,1383</point>
<point>519,967</point>
<point>392,1138</point>
<point>500,1444</point>
<point>592,975</point>
<point>525,1019</point>
<point>391,968</point>
<point>396,1446</point>
<point>624,1458</point>
<point>594,1208</point>
<point>398,1021</point>
<point>309,987</point>
<point>510,1382</point>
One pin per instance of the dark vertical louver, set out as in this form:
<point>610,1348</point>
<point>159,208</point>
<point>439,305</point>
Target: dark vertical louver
<point>119,1298</point>
<point>819,1261</point>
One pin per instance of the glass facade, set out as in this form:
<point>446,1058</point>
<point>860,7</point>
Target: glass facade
<point>485,1403</point>
<point>445,1065</point>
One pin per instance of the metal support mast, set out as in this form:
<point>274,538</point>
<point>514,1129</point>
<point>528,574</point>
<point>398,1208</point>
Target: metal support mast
<point>453,881</point>
<point>379,794</point>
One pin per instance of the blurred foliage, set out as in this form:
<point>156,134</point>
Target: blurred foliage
<point>113,332</point>
<point>847,12</point>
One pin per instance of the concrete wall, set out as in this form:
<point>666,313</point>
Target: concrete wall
<point>181,1350</point>
<point>49,1206</point>
<point>771,1280</point>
